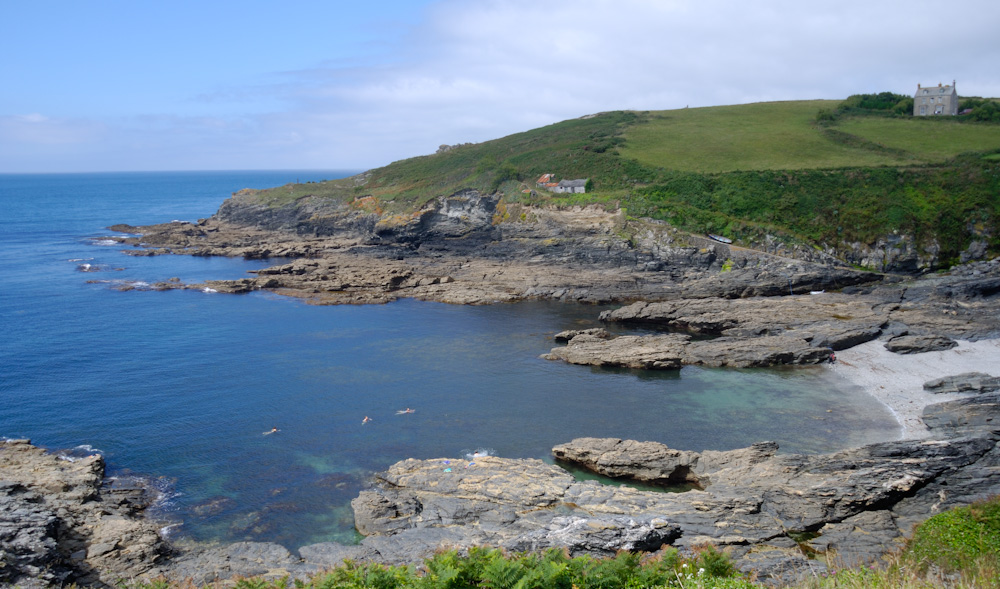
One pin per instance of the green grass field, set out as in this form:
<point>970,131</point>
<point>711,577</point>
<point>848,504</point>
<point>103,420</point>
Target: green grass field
<point>762,136</point>
<point>928,140</point>
<point>784,136</point>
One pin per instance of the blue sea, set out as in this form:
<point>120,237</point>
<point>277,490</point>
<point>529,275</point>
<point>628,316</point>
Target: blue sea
<point>179,386</point>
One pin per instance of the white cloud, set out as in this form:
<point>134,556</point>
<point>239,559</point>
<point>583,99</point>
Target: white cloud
<point>472,71</point>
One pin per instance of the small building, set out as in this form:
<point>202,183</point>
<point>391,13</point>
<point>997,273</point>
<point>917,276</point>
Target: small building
<point>547,181</point>
<point>575,186</point>
<point>942,100</point>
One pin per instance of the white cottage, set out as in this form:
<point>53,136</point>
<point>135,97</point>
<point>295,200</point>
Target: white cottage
<point>579,186</point>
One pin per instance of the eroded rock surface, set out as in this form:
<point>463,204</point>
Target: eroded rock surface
<point>765,509</point>
<point>799,329</point>
<point>59,525</point>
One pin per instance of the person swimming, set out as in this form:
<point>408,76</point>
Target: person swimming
<point>407,410</point>
<point>365,420</point>
<point>273,430</point>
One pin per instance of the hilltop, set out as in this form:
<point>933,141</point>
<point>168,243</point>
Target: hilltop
<point>755,173</point>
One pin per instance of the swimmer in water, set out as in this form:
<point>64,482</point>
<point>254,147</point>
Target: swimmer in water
<point>273,429</point>
<point>365,420</point>
<point>407,410</point>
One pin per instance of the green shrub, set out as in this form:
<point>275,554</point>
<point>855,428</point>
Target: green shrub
<point>959,538</point>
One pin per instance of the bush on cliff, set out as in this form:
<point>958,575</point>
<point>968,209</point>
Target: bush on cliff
<point>960,539</point>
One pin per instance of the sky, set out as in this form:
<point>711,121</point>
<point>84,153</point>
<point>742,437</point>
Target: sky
<point>107,85</point>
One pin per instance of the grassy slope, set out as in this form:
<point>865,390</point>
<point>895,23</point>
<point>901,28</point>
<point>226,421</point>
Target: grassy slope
<point>927,139</point>
<point>736,170</point>
<point>574,149</point>
<point>763,136</point>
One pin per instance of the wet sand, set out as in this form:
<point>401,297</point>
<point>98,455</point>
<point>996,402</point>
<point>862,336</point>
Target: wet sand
<point>897,379</point>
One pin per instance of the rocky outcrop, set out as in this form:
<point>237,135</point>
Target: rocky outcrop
<point>765,509</point>
<point>969,416</point>
<point>667,352</point>
<point>59,523</point>
<point>803,329</point>
<point>655,463</point>
<point>975,382</point>
<point>917,344</point>
<point>489,250</point>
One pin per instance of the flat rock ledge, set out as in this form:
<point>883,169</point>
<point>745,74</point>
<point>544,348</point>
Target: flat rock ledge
<point>750,332</point>
<point>785,330</point>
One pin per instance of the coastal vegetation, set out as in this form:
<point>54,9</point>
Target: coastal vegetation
<point>822,173</point>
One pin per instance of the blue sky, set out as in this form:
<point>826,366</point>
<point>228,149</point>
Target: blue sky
<point>116,85</point>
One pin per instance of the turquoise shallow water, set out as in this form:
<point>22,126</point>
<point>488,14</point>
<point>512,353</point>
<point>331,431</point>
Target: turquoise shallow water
<point>181,385</point>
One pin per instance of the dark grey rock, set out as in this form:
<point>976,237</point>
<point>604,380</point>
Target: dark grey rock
<point>978,382</point>
<point>565,336</point>
<point>332,554</point>
<point>964,416</point>
<point>916,344</point>
<point>242,559</point>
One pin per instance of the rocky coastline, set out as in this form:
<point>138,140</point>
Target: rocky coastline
<point>690,300</point>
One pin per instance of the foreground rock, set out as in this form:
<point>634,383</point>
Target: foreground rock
<point>765,509</point>
<point>59,522</point>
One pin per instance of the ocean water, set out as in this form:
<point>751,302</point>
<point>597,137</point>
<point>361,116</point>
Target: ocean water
<point>179,386</point>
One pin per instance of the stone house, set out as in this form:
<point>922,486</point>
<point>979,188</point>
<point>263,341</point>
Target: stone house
<point>942,100</point>
<point>547,181</point>
<point>579,186</point>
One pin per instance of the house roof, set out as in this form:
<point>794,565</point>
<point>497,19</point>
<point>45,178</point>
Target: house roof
<point>935,90</point>
<point>544,179</point>
<point>573,183</point>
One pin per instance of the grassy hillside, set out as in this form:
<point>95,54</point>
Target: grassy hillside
<point>764,136</point>
<point>783,136</point>
<point>576,148</point>
<point>736,170</point>
<point>925,139</point>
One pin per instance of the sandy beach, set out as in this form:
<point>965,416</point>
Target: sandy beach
<point>897,379</point>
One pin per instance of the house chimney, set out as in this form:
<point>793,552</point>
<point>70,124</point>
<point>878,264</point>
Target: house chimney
<point>939,84</point>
